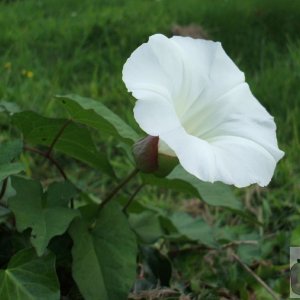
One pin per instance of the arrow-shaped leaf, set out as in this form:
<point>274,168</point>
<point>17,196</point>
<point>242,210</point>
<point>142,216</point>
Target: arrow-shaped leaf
<point>96,115</point>
<point>28,277</point>
<point>216,194</point>
<point>46,214</point>
<point>8,152</point>
<point>10,169</point>
<point>75,140</point>
<point>104,258</point>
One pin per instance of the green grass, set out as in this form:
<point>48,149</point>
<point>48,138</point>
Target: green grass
<point>80,47</point>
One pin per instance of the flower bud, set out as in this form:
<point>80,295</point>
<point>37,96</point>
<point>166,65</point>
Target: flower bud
<point>148,160</point>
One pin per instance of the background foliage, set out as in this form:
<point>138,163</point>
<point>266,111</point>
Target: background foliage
<point>61,47</point>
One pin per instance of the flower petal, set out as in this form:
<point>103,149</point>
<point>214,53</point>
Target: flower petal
<point>242,162</point>
<point>232,160</point>
<point>155,116</point>
<point>195,155</point>
<point>165,66</point>
<point>154,66</point>
<point>192,95</point>
<point>237,114</point>
<point>207,66</point>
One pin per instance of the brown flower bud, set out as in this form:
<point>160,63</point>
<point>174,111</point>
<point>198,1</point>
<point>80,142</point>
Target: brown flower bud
<point>148,160</point>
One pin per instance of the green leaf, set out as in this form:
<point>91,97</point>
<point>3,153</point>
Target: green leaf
<point>10,107</point>
<point>4,214</point>
<point>75,140</point>
<point>29,277</point>
<point>262,294</point>
<point>216,194</point>
<point>96,115</point>
<point>10,150</point>
<point>104,258</point>
<point>249,253</point>
<point>147,226</point>
<point>195,229</point>
<point>46,214</point>
<point>10,169</point>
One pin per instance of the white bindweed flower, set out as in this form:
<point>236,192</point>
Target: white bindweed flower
<point>195,99</point>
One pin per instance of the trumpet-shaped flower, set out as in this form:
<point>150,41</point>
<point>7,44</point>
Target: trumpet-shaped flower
<point>195,99</point>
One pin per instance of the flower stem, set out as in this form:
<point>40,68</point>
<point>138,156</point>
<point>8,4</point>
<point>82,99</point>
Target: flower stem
<point>132,197</point>
<point>58,135</point>
<point>50,158</point>
<point>116,189</point>
<point>48,155</point>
